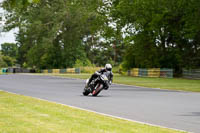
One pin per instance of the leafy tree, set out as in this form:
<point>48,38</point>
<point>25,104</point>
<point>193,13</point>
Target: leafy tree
<point>147,33</point>
<point>160,33</point>
<point>51,33</point>
<point>82,63</point>
<point>6,61</point>
<point>9,60</point>
<point>2,62</point>
<point>9,49</point>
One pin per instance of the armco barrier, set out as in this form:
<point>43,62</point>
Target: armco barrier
<point>17,70</point>
<point>68,70</point>
<point>63,70</point>
<point>192,73</point>
<point>49,70</point>
<point>151,72</point>
<point>143,72</point>
<point>166,73</point>
<point>4,70</point>
<point>77,70</point>
<point>154,72</point>
<point>134,72</point>
<point>44,71</point>
<point>55,70</point>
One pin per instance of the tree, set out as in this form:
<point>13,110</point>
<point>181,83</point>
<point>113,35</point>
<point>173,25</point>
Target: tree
<point>9,60</point>
<point>51,33</point>
<point>147,33</point>
<point>2,62</point>
<point>160,33</point>
<point>9,49</point>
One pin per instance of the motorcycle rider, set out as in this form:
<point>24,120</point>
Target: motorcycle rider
<point>108,67</point>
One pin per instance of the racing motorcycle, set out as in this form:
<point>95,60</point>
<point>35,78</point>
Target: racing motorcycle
<point>97,85</point>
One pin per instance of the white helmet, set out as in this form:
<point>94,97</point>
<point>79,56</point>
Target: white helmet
<point>108,67</point>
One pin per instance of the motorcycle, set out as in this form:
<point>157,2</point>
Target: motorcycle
<point>97,85</point>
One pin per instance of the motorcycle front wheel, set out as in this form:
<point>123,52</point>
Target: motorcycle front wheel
<point>86,92</point>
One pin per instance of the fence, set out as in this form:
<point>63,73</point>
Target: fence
<point>193,73</point>
<point>136,72</point>
<point>20,70</point>
<point>3,70</point>
<point>16,70</point>
<point>68,70</point>
<point>72,70</point>
<point>151,72</point>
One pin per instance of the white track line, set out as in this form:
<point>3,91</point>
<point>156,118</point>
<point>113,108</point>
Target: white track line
<point>117,117</point>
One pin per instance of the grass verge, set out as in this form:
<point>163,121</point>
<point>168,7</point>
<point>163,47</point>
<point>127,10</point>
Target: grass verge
<point>162,83</point>
<point>20,114</point>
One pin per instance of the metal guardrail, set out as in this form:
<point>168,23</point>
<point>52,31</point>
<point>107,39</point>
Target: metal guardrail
<point>68,70</point>
<point>16,70</point>
<point>72,70</point>
<point>192,73</point>
<point>3,70</point>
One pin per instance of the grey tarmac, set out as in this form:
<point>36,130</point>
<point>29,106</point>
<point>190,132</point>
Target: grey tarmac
<point>172,109</point>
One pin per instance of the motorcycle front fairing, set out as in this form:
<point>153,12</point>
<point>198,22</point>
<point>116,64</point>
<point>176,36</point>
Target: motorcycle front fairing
<point>105,81</point>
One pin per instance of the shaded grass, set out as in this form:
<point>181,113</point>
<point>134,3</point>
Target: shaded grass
<point>162,83</point>
<point>21,114</point>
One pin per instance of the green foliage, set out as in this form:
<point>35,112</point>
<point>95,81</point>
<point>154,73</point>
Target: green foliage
<point>116,69</point>
<point>9,49</point>
<point>51,33</point>
<point>139,33</point>
<point>25,65</point>
<point>6,61</point>
<point>2,62</point>
<point>78,64</point>
<point>90,70</point>
<point>83,63</point>
<point>24,3</point>
<point>9,60</point>
<point>165,34</point>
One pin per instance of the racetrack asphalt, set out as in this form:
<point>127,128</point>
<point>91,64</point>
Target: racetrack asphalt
<point>172,109</point>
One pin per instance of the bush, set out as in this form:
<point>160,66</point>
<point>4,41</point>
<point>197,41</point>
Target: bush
<point>115,69</point>
<point>8,60</point>
<point>2,62</point>
<point>83,63</point>
<point>89,69</point>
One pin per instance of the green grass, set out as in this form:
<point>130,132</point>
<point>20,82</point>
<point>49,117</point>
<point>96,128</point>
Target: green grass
<point>21,114</point>
<point>162,83</point>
